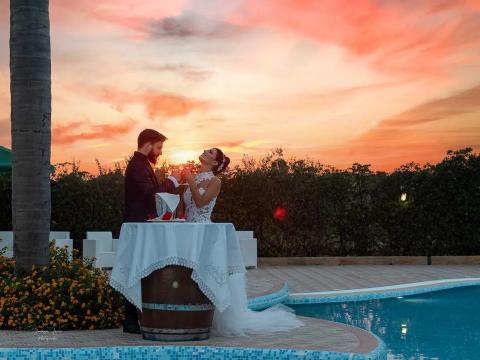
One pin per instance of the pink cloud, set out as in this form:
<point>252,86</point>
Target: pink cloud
<point>119,13</point>
<point>409,38</point>
<point>156,104</point>
<point>143,19</point>
<point>71,132</point>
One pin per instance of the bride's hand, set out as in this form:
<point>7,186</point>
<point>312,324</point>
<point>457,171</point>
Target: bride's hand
<point>189,177</point>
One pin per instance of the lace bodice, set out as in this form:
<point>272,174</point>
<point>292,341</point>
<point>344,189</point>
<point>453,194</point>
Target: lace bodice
<point>193,213</point>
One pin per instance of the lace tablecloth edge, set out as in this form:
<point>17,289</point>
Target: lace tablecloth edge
<point>181,262</point>
<point>175,260</point>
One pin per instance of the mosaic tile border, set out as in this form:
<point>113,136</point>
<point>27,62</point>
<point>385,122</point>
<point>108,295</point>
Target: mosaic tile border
<point>319,299</point>
<point>265,301</point>
<point>183,353</point>
<point>380,352</point>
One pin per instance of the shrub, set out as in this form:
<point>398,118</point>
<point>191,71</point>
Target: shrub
<point>73,295</point>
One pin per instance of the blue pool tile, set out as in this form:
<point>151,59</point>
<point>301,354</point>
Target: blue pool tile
<point>181,353</point>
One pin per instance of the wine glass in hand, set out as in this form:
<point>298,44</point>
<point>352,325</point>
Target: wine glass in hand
<point>189,177</point>
<point>177,174</point>
<point>189,169</point>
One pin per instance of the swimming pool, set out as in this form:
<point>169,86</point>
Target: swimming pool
<point>440,325</point>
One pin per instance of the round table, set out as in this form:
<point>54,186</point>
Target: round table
<point>184,268</point>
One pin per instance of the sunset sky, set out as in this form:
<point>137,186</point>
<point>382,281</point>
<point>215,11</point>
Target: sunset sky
<point>382,82</point>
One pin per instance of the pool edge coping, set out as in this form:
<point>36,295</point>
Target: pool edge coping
<point>264,301</point>
<point>362,294</point>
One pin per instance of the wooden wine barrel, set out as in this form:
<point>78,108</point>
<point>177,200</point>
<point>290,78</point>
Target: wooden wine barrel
<point>173,306</point>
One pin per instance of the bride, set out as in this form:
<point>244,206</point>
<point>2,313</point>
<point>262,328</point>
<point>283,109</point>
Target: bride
<point>237,319</point>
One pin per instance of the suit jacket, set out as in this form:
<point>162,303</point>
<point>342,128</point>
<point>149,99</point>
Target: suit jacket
<point>141,184</point>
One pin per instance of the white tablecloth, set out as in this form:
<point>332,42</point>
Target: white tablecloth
<point>212,250</point>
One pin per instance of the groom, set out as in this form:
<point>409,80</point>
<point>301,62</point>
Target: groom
<point>141,184</point>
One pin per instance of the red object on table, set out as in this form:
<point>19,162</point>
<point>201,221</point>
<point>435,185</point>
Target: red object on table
<point>167,216</point>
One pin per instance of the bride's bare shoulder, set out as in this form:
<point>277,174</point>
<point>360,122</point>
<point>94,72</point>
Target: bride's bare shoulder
<point>215,181</point>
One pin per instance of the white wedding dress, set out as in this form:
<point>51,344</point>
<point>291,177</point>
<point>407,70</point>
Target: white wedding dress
<point>238,319</point>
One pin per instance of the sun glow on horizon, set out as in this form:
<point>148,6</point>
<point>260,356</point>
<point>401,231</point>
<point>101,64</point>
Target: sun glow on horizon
<point>182,156</point>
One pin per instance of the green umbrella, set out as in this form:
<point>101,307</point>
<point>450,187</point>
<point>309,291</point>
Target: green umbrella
<point>5,159</point>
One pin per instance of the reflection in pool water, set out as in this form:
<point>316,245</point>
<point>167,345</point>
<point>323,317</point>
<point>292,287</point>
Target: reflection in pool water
<point>440,325</point>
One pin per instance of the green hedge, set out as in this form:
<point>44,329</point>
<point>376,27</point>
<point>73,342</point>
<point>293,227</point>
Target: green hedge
<point>328,211</point>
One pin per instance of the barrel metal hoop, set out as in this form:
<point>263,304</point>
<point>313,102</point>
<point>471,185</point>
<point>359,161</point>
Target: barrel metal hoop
<point>178,307</point>
<point>174,331</point>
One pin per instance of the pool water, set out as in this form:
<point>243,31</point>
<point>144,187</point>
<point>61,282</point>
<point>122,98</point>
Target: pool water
<point>440,325</point>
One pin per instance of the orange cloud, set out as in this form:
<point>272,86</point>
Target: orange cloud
<point>242,146</point>
<point>337,95</point>
<point>70,132</point>
<point>228,144</point>
<point>461,103</point>
<point>156,104</point>
<point>405,138</point>
<point>186,71</point>
<point>170,105</point>
<point>204,123</point>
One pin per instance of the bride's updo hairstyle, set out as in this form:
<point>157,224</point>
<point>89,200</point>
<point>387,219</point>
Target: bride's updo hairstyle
<point>222,160</point>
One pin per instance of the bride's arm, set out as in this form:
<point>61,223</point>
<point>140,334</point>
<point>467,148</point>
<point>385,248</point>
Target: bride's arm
<point>212,190</point>
<point>181,207</point>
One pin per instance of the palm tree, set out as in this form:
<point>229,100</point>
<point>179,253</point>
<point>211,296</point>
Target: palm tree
<point>30,88</point>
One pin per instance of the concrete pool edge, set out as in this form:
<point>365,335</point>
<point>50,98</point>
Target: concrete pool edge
<point>270,299</point>
<point>384,292</point>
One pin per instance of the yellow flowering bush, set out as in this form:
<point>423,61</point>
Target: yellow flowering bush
<point>76,296</point>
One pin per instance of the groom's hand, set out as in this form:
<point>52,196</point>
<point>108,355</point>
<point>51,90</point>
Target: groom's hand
<point>177,174</point>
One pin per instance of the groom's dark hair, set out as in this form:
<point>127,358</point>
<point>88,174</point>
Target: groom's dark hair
<point>150,136</point>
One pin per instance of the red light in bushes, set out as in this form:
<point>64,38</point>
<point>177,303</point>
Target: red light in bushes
<point>280,213</point>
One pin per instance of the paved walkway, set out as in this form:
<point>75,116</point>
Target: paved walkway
<point>310,278</point>
<point>315,335</point>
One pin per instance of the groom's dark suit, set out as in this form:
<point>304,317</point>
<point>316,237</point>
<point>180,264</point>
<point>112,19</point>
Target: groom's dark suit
<point>141,184</point>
